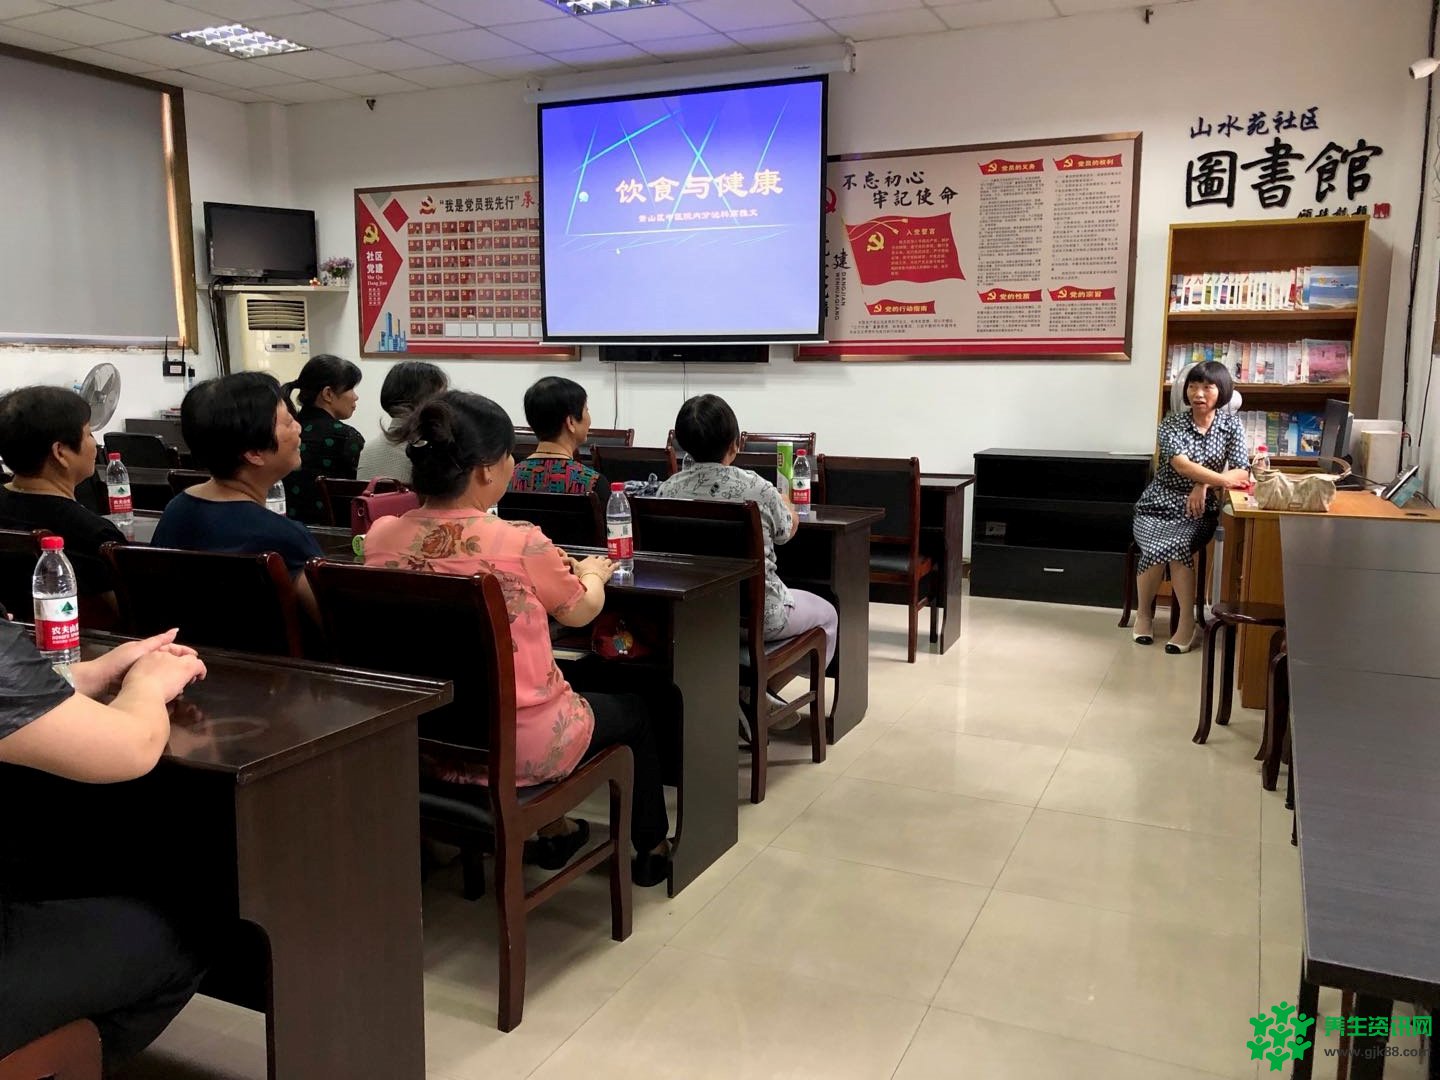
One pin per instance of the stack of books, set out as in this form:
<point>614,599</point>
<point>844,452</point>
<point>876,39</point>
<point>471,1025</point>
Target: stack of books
<point>1308,360</point>
<point>1304,288</point>
<point>1294,434</point>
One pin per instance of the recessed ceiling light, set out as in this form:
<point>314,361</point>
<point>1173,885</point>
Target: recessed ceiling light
<point>595,7</point>
<point>237,40</point>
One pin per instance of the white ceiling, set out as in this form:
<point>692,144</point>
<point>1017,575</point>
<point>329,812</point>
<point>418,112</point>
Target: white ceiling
<point>365,48</point>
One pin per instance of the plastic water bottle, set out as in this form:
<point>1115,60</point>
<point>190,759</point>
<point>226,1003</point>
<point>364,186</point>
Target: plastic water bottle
<point>275,498</point>
<point>620,530</point>
<point>57,604</point>
<point>800,484</point>
<point>1262,460</point>
<point>117,487</point>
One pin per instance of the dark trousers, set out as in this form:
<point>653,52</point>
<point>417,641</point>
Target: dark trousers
<point>115,961</point>
<point>623,720</point>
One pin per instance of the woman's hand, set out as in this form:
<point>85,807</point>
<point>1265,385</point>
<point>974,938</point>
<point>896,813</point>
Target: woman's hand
<point>166,673</point>
<point>1236,479</point>
<point>596,566</point>
<point>94,677</point>
<point>1195,503</point>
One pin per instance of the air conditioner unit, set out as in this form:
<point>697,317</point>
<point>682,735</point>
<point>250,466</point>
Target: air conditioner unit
<point>274,334</point>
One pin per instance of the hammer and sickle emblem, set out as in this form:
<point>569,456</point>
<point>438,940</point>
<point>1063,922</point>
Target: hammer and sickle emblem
<point>875,243</point>
<point>372,234</point>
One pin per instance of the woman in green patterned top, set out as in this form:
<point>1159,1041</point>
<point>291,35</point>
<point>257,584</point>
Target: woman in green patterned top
<point>328,445</point>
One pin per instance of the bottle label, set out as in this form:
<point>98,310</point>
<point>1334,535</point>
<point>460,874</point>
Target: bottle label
<point>620,539</point>
<point>57,623</point>
<point>119,498</point>
<point>800,490</point>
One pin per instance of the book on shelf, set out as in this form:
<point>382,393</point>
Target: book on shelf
<point>1304,361</point>
<point>1299,289</point>
<point>1295,434</point>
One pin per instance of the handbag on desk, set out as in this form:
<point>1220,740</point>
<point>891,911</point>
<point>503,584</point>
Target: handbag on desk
<point>1307,493</point>
<point>369,506</point>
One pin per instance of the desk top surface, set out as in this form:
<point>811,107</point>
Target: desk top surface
<point>1365,685</point>
<point>1347,504</point>
<point>829,518</point>
<point>252,716</point>
<point>946,481</point>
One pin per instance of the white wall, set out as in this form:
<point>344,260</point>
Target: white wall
<point>1074,76</point>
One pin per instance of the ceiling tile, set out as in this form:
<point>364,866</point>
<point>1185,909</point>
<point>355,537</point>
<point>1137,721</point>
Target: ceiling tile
<point>189,80</point>
<point>991,12</point>
<point>160,51</point>
<point>242,10</point>
<point>301,92</point>
<point>652,24</point>
<point>725,15</point>
<point>312,65</point>
<point>786,37</point>
<point>1080,7</point>
<point>448,75</point>
<point>237,72</point>
<point>244,96</point>
<point>14,9</point>
<point>387,55</point>
<point>469,45</point>
<point>108,60</point>
<point>76,26</point>
<point>10,34</point>
<point>837,9</point>
<point>698,45</point>
<point>70,3</point>
<point>404,18</point>
<point>317,29</point>
<point>601,57</point>
<point>515,67</point>
<point>499,12</point>
<point>157,16</point>
<point>891,24</point>
<point>555,35</point>
<point>377,82</point>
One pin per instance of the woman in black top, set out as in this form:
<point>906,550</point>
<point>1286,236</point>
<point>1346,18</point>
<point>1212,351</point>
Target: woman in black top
<point>328,446</point>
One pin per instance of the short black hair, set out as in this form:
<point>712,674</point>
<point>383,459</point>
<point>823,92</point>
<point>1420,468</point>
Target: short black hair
<point>550,402</point>
<point>407,384</point>
<point>224,419</point>
<point>33,419</point>
<point>320,372</point>
<point>706,427</point>
<point>449,435</point>
<point>1217,375</point>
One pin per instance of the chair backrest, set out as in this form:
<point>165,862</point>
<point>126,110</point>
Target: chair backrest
<point>764,464</point>
<point>142,451</point>
<point>180,479</point>
<point>436,626</point>
<point>765,443</point>
<point>245,603</point>
<point>19,552</point>
<point>673,445</point>
<point>565,519</point>
<point>337,493</point>
<point>524,448</point>
<point>606,436</point>
<point>621,463</point>
<point>888,484</point>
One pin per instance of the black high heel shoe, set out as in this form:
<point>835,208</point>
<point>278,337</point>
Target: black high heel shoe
<point>553,852</point>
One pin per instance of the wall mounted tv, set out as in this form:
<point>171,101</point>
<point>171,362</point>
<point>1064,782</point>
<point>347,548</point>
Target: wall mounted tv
<point>262,243</point>
<point>684,216</point>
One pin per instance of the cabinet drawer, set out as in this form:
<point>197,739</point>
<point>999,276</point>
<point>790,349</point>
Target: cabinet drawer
<point>1052,574</point>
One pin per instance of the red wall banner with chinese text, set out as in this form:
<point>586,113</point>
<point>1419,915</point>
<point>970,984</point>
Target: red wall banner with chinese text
<point>450,270</point>
<point>1023,250</point>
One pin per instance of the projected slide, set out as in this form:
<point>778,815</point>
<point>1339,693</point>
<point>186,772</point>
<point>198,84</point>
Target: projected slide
<point>685,216</point>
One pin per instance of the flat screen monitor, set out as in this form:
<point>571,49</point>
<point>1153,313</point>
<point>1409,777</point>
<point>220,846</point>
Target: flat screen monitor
<point>266,243</point>
<point>686,216</point>
<point>1334,431</point>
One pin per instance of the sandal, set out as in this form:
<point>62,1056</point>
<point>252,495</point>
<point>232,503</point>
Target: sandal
<point>553,852</point>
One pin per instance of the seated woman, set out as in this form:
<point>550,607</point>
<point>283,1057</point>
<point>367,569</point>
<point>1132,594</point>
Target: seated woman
<point>460,447</point>
<point>406,384</point>
<point>241,430</point>
<point>45,441</point>
<point>1202,452</point>
<point>113,960</point>
<point>328,445</point>
<point>558,412</point>
<point>707,428</point>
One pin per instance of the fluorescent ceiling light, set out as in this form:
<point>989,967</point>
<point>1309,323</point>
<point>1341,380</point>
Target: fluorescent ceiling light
<point>237,40</point>
<point>595,7</point>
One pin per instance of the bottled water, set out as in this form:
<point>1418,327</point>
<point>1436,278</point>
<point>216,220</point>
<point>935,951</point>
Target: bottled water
<point>57,604</point>
<point>275,498</point>
<point>1262,460</point>
<point>800,484</point>
<point>117,486</point>
<point>620,530</point>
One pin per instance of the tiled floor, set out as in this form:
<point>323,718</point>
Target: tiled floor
<point>1018,866</point>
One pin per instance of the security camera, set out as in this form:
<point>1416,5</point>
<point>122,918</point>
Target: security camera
<point>370,101</point>
<point>1421,69</point>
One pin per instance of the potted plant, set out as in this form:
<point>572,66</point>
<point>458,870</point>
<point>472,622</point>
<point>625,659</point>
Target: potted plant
<point>336,270</point>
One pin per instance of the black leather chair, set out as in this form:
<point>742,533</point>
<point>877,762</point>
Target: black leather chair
<point>621,463</point>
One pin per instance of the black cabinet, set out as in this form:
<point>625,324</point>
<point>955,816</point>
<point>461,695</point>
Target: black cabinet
<point>1053,524</point>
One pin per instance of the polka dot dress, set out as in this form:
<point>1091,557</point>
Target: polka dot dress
<point>1163,531</point>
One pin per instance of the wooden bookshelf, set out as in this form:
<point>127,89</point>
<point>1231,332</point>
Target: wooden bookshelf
<point>1231,246</point>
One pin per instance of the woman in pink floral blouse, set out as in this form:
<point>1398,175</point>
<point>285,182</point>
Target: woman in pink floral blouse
<point>459,445</point>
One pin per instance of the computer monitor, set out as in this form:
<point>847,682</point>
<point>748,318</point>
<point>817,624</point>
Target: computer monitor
<point>1335,432</point>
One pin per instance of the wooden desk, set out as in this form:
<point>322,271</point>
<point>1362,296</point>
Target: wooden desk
<point>942,537</point>
<point>1251,566</point>
<point>335,543</point>
<point>1365,682</point>
<point>288,800</point>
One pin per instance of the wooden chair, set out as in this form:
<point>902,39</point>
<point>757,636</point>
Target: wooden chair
<point>565,519</point>
<point>703,527</point>
<point>336,495</point>
<point>1275,745</point>
<point>245,603</point>
<point>758,443</point>
<point>373,615</point>
<point>1130,597</point>
<point>68,1053</point>
<point>142,451</point>
<point>600,436</point>
<point>180,479</point>
<point>764,464</point>
<point>899,574</point>
<point>19,552</point>
<point>621,463</point>
<point>673,446</point>
<point>1229,617</point>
